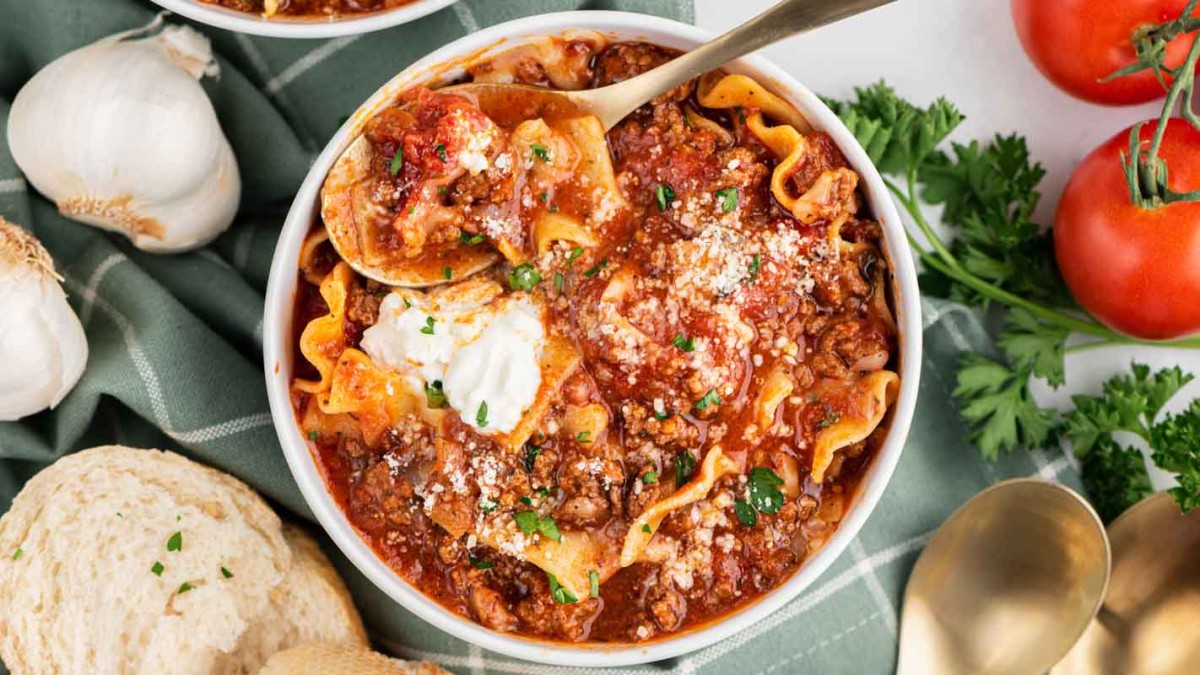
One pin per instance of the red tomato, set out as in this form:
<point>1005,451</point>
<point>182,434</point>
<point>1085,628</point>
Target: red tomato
<point>1077,43</point>
<point>1136,270</point>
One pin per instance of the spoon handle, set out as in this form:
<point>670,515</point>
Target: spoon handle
<point>786,18</point>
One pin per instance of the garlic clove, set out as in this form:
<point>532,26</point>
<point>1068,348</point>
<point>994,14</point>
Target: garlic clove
<point>42,343</point>
<point>120,135</point>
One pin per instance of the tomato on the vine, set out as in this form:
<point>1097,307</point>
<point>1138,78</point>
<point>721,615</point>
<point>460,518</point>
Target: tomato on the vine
<point>1079,43</point>
<point>1135,269</point>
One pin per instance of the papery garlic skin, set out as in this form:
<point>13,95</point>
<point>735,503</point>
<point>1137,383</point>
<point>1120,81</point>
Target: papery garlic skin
<point>43,348</point>
<point>121,135</point>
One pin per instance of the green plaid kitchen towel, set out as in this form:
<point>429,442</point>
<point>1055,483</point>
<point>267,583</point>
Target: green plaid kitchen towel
<point>175,340</point>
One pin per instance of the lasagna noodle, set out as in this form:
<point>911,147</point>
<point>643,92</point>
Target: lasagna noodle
<point>776,387</point>
<point>831,198</point>
<point>552,227</point>
<point>563,68</point>
<point>715,466</point>
<point>377,398</point>
<point>560,360</point>
<point>870,398</point>
<point>324,339</point>
<point>738,91</point>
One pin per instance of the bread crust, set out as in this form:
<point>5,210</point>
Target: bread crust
<point>121,560</point>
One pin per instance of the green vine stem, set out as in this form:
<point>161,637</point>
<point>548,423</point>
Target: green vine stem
<point>1146,173</point>
<point>943,261</point>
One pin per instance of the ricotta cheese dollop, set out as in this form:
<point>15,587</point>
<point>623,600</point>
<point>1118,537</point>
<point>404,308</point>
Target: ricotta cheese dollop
<point>484,348</point>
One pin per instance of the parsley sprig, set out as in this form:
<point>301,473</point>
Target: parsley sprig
<point>996,256</point>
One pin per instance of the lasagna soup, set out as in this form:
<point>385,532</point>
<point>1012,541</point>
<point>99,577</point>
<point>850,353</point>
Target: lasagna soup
<point>626,382</point>
<point>299,9</point>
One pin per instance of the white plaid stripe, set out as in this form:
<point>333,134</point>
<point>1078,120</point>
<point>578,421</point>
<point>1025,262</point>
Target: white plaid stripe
<point>882,601</point>
<point>308,62</point>
<point>87,299</point>
<point>259,63</point>
<point>466,17</point>
<point>162,417</point>
<point>223,429</point>
<point>12,185</point>
<point>820,645</point>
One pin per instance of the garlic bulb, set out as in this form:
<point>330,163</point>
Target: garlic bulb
<point>42,345</point>
<point>121,135</point>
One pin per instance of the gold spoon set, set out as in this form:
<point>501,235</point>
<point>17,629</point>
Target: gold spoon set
<point>1024,575</point>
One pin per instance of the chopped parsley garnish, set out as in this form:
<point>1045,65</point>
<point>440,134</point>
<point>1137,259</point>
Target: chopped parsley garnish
<point>226,573</point>
<point>754,268</point>
<point>441,152</point>
<point>745,513</point>
<point>412,210</point>
<point>175,543</point>
<point>428,329</point>
<point>661,415</point>
<point>594,583</point>
<point>664,194</point>
<point>480,564</point>
<point>584,437</point>
<point>407,302</point>
<point>526,500</point>
<point>481,419</point>
<point>542,492</point>
<point>646,528</point>
<point>560,594</point>
<point>575,253</point>
<point>831,418</point>
<point>314,435</point>
<point>545,197</point>
<point>185,587</point>
<point>488,507</point>
<point>435,396</point>
<point>708,400</point>
<point>447,273</point>
<point>596,270</point>
<point>559,279</point>
<point>470,239</point>
<point>729,199</point>
<point>763,495</point>
<point>685,465</point>
<point>687,344</point>
<point>530,522</point>
<point>541,152</point>
<point>531,455</point>
<point>442,191</point>
<point>157,569</point>
<point>397,161</point>
<point>18,553</point>
<point>650,478</point>
<point>523,277</point>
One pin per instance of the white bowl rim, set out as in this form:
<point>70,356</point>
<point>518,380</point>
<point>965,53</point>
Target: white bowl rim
<point>245,22</point>
<point>277,331</point>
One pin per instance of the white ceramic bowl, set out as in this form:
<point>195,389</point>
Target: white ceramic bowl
<point>245,22</point>
<point>279,350</point>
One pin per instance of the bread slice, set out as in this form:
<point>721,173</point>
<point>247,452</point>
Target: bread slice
<point>116,560</point>
<point>327,659</point>
<point>311,605</point>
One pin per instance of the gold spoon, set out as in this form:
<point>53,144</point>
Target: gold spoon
<point>1150,621</point>
<point>1007,584</point>
<point>610,104</point>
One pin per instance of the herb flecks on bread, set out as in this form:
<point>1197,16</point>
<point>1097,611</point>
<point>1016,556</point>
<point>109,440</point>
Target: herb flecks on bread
<point>141,561</point>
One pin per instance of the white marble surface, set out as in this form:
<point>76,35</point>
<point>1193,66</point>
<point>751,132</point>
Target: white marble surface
<point>967,51</point>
